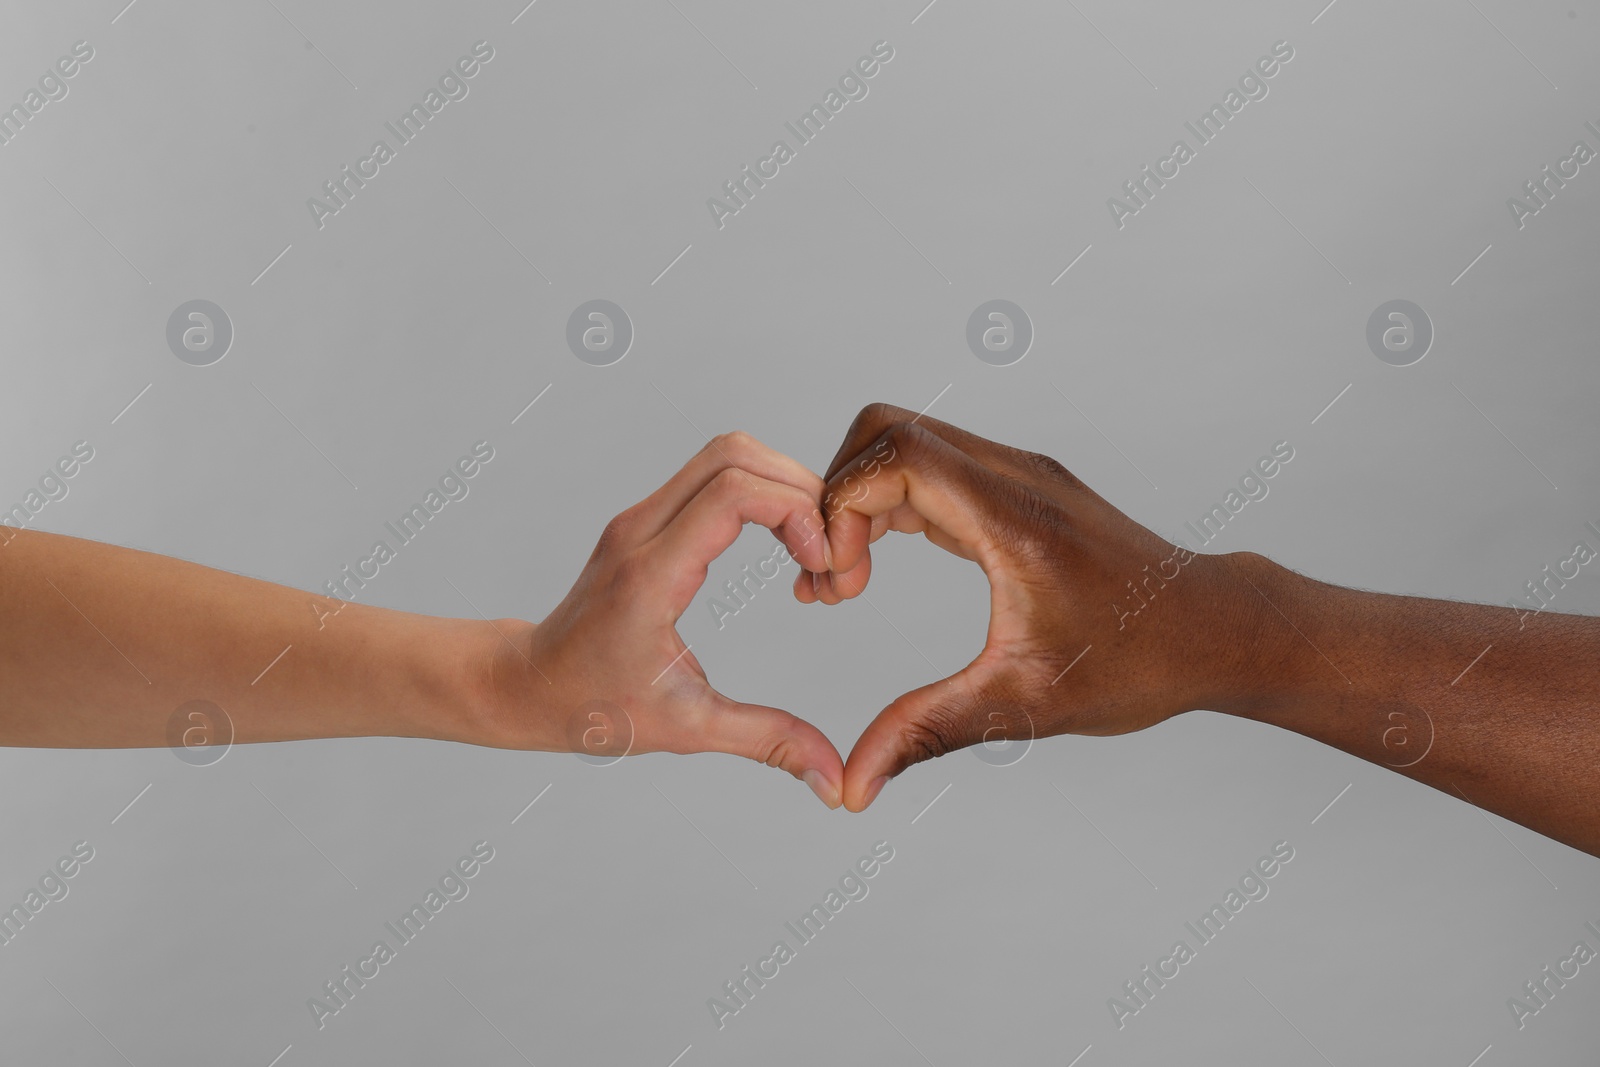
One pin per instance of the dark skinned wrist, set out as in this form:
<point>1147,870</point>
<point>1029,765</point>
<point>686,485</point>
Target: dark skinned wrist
<point>1255,660</point>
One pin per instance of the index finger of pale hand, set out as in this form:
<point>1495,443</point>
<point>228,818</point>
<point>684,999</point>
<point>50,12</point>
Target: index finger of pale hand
<point>712,521</point>
<point>723,452</point>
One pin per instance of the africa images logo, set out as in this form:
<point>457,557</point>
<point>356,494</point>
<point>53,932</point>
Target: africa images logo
<point>852,86</point>
<point>453,85</point>
<point>1252,86</point>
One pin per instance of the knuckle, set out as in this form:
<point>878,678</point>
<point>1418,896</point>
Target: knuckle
<point>874,414</point>
<point>775,750</point>
<point>908,439</point>
<point>733,445</point>
<point>1049,467</point>
<point>730,483</point>
<point>872,418</point>
<point>616,533</point>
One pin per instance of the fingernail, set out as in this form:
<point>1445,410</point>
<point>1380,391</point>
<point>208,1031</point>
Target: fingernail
<point>874,789</point>
<point>827,552</point>
<point>822,787</point>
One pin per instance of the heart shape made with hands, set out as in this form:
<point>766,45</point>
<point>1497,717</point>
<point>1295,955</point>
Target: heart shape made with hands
<point>1054,552</point>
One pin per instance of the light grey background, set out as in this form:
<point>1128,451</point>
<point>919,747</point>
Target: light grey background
<point>1224,317</point>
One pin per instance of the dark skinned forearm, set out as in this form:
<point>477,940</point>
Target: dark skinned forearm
<point>1475,700</point>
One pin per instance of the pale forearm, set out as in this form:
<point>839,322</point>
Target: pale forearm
<point>106,647</point>
<point>100,645</point>
<point>1451,694</point>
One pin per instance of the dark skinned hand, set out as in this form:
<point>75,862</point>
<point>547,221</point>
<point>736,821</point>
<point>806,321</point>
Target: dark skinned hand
<point>1069,648</point>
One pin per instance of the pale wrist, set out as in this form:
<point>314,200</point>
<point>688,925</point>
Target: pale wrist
<point>511,699</point>
<point>453,688</point>
<point>438,665</point>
